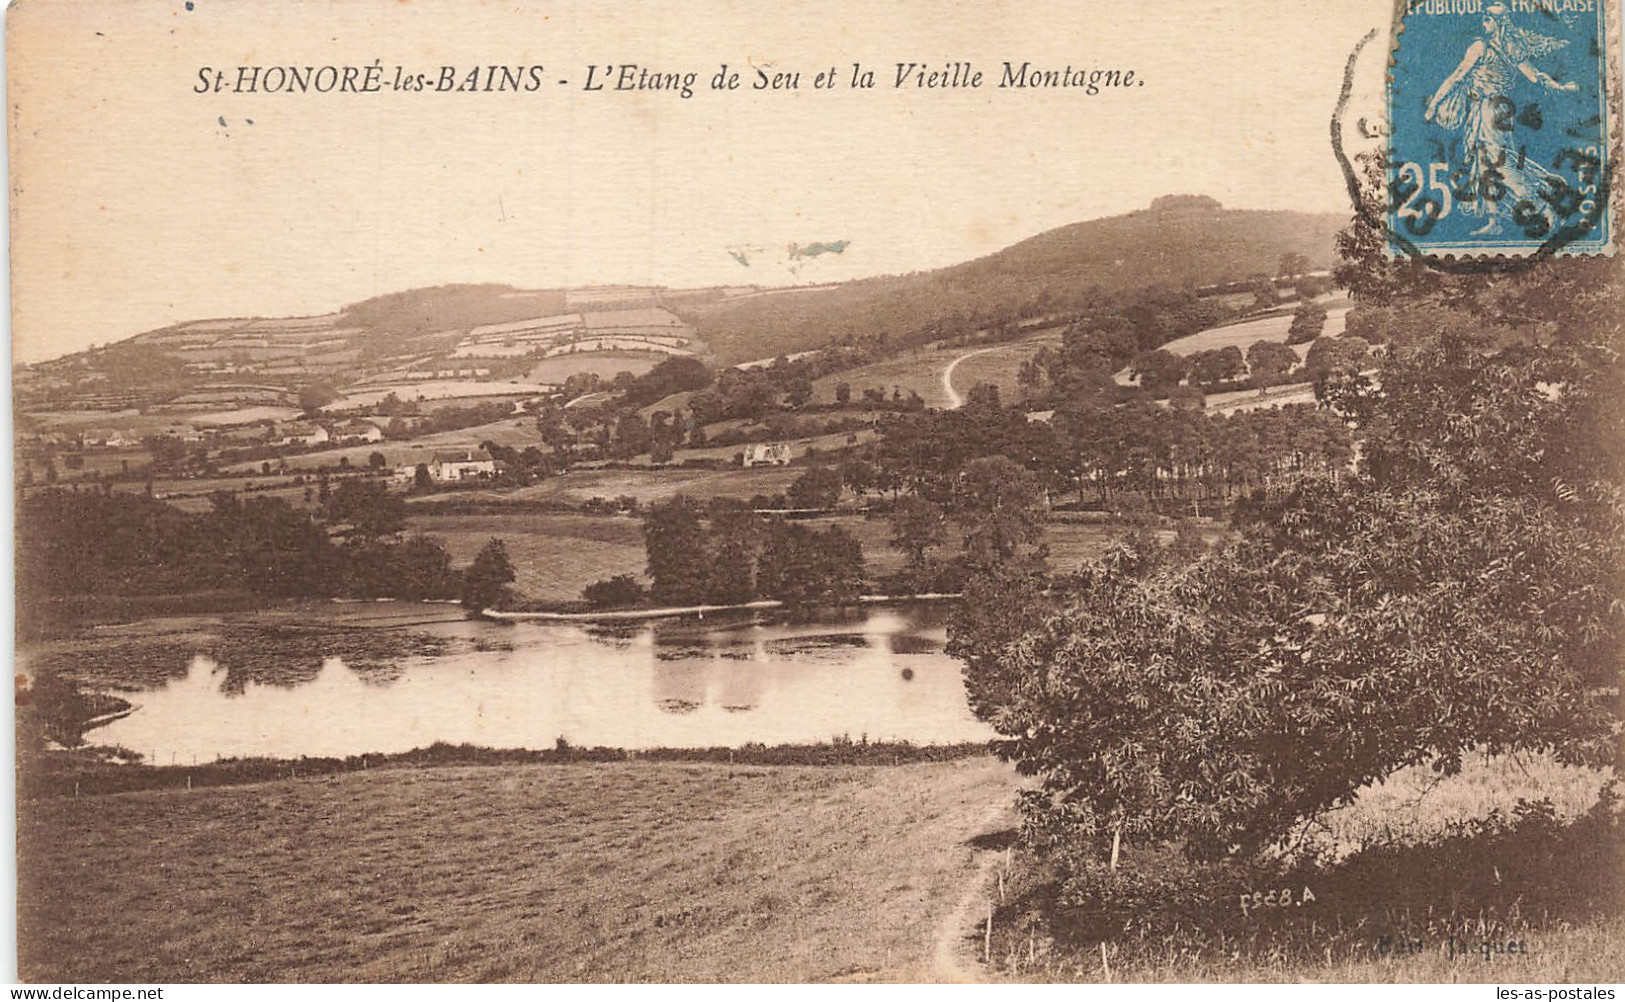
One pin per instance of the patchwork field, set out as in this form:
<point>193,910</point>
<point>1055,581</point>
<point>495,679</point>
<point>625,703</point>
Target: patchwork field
<point>439,389</point>
<point>612,872</point>
<point>605,364</point>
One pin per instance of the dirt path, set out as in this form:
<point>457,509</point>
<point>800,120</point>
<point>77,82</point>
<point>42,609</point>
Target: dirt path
<point>952,958</point>
<point>955,401</point>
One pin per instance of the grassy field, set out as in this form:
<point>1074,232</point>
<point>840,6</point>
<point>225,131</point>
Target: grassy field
<point>1415,804</point>
<point>611,872</point>
<point>606,364</point>
<point>1002,365</point>
<point>450,392</point>
<point>658,485</point>
<point>554,555</point>
<point>1249,400</point>
<point>833,442</point>
<point>1244,334</point>
<point>920,370</point>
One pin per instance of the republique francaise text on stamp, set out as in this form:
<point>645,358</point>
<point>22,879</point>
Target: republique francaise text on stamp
<point>1498,128</point>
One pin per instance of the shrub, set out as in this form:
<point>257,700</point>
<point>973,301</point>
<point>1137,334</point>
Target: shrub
<point>1307,323</point>
<point>619,592</point>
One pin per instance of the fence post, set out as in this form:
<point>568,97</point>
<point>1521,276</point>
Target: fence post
<point>987,935</point>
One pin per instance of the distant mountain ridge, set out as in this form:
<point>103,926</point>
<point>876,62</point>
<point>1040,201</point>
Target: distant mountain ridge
<point>1180,241</point>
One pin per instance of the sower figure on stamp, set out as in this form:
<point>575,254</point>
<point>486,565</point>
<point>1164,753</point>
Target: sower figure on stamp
<point>1475,99</point>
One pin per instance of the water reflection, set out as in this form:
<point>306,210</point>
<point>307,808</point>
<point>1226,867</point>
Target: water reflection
<point>881,674</point>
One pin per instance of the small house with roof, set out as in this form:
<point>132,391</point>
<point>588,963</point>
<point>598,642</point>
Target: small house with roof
<point>300,433</point>
<point>465,465</point>
<point>767,454</point>
<point>357,431</point>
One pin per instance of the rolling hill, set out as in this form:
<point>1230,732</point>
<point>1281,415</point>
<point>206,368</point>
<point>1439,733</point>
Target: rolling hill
<point>490,332</point>
<point>1179,241</point>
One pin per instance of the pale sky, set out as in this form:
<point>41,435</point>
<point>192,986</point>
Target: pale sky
<point>133,207</point>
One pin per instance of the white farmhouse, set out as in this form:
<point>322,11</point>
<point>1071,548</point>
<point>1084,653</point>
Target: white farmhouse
<point>767,454</point>
<point>467,465</point>
<point>357,431</point>
<point>300,433</point>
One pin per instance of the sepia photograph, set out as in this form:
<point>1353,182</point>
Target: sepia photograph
<point>995,493</point>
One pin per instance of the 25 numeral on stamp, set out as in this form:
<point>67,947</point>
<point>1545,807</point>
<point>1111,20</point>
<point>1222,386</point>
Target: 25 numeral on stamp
<point>1423,196</point>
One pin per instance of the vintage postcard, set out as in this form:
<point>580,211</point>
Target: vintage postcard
<point>889,492</point>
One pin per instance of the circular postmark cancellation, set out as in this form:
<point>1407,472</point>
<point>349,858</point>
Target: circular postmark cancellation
<point>1498,133</point>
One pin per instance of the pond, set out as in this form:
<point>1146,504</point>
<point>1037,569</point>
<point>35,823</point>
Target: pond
<point>880,675</point>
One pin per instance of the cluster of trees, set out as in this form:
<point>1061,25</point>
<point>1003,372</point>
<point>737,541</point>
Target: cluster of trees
<point>1460,591</point>
<point>1265,363</point>
<point>516,467</point>
<point>614,431</point>
<point>752,393</point>
<point>1102,342</point>
<point>1187,454</point>
<point>73,543</point>
<point>726,554</point>
<point>673,375</point>
<point>999,511</point>
<point>1093,445</point>
<point>447,419</point>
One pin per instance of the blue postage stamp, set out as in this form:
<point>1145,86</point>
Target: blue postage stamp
<point>1498,128</point>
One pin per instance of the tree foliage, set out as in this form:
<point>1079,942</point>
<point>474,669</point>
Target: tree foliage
<point>1307,323</point>
<point>619,592</point>
<point>679,552</point>
<point>819,487</point>
<point>1462,590</point>
<point>803,567</point>
<point>1160,370</point>
<point>314,396</point>
<point>917,526</point>
<point>1217,365</point>
<point>368,507</point>
<point>488,576</point>
<point>1270,358</point>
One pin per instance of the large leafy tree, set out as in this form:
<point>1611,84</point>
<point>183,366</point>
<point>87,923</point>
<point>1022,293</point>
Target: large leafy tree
<point>1462,589</point>
<point>679,552</point>
<point>802,567</point>
<point>368,508</point>
<point>488,576</point>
